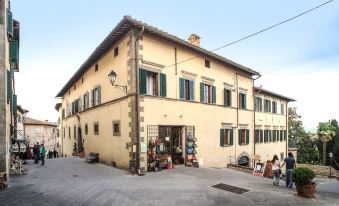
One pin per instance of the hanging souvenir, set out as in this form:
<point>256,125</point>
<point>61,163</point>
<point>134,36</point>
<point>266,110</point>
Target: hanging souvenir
<point>195,145</point>
<point>189,137</point>
<point>189,150</point>
<point>189,144</point>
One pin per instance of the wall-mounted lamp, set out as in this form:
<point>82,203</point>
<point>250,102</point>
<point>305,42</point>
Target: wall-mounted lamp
<point>112,76</point>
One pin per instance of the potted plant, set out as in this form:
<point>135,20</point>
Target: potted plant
<point>303,180</point>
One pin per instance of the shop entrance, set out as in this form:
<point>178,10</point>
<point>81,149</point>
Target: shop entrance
<point>171,137</point>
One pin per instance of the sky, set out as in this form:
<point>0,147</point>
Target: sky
<point>299,59</point>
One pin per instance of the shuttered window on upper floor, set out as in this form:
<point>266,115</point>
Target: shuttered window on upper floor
<point>226,137</point>
<point>149,83</point>
<point>86,100</point>
<point>227,97</point>
<point>9,87</point>
<point>9,23</point>
<point>186,89</point>
<point>96,96</point>
<point>258,104</point>
<point>242,101</point>
<point>267,105</point>
<point>274,107</point>
<point>282,108</point>
<point>14,51</point>
<point>207,93</point>
<point>243,136</point>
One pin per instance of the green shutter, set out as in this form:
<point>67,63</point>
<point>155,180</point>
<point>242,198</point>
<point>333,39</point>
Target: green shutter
<point>14,51</point>
<point>231,131</point>
<point>202,92</point>
<point>281,135</point>
<point>214,97</point>
<point>14,105</point>
<point>270,132</point>
<point>247,136</point>
<point>245,107</point>
<point>265,106</point>
<point>285,135</point>
<point>191,90</point>
<point>222,140</point>
<point>163,91</point>
<point>80,105</point>
<point>92,98</point>
<point>225,97</point>
<point>142,81</point>
<point>9,22</point>
<point>182,88</point>
<point>262,135</point>
<point>99,95</point>
<point>239,137</point>
<point>9,86</point>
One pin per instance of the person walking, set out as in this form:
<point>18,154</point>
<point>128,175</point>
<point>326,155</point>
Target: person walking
<point>36,152</point>
<point>276,170</point>
<point>290,166</point>
<point>43,153</point>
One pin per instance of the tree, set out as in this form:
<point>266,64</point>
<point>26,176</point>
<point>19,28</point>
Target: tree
<point>295,127</point>
<point>308,152</point>
<point>326,131</point>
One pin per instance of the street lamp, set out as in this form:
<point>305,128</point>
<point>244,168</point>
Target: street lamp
<point>112,76</point>
<point>331,156</point>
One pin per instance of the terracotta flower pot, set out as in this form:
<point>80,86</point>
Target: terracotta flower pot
<point>306,190</point>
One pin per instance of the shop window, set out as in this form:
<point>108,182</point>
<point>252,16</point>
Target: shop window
<point>186,89</point>
<point>207,93</point>
<point>267,105</point>
<point>96,96</point>
<point>226,137</point>
<point>244,136</point>
<point>227,97</point>
<point>242,100</point>
<point>116,128</point>
<point>86,129</point>
<point>207,63</point>
<point>258,104</point>
<point>116,51</point>
<point>96,128</point>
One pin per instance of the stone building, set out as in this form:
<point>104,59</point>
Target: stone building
<point>9,64</point>
<point>43,132</point>
<point>142,84</point>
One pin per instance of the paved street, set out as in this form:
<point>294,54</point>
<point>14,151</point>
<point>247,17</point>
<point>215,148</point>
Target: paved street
<point>71,181</point>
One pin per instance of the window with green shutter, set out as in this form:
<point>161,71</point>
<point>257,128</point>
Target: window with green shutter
<point>14,105</point>
<point>285,135</point>
<point>163,91</point>
<point>281,135</point>
<point>186,89</point>
<point>9,23</point>
<point>9,87</point>
<point>242,100</point>
<point>270,133</point>
<point>244,136</point>
<point>262,135</point>
<point>227,98</point>
<point>202,97</point>
<point>226,137</point>
<point>207,93</point>
<point>214,95</point>
<point>14,51</point>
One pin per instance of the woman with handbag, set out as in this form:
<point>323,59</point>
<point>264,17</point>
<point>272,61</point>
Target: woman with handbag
<point>276,170</point>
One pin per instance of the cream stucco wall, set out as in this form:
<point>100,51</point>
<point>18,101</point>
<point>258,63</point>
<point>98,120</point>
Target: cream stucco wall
<point>44,134</point>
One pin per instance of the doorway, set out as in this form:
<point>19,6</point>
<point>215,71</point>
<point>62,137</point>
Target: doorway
<point>171,137</point>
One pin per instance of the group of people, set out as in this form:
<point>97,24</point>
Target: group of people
<point>276,168</point>
<point>39,152</point>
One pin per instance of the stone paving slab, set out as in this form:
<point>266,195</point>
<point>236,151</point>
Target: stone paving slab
<point>71,181</point>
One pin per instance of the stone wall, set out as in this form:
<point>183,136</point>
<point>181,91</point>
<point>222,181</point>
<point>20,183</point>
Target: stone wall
<point>320,170</point>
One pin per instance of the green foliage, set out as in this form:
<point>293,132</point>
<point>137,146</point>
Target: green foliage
<point>308,152</point>
<point>302,176</point>
<point>295,127</point>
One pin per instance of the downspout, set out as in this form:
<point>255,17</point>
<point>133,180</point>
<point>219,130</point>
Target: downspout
<point>236,142</point>
<point>176,71</point>
<point>286,129</point>
<point>254,117</point>
<point>137,109</point>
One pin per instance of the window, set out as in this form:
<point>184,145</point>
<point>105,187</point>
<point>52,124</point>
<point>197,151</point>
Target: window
<point>96,128</point>
<point>63,114</point>
<point>242,101</point>
<point>96,96</point>
<point>75,132</point>
<point>258,104</point>
<point>227,97</point>
<point>259,136</point>
<point>207,63</point>
<point>274,107</point>
<point>281,135</point>
<point>86,101</point>
<point>116,128</point>
<point>207,93</point>
<point>76,106</point>
<point>282,109</point>
<point>275,135</point>
<point>86,129</point>
<point>267,136</point>
<point>186,89</point>
<point>244,136</point>
<point>116,51</point>
<point>96,67</point>
<point>9,22</point>
<point>69,132</point>
<point>267,105</point>
<point>149,83</point>
<point>226,137</point>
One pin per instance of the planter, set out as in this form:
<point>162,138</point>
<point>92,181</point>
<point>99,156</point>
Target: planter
<point>306,190</point>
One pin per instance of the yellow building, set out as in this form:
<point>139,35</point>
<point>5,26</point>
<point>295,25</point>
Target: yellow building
<point>9,61</point>
<point>144,92</point>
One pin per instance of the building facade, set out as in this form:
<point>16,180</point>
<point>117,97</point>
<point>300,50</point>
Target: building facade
<point>9,63</point>
<point>42,132</point>
<point>193,103</point>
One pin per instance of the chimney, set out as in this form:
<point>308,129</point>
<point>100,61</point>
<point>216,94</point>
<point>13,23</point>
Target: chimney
<point>194,39</point>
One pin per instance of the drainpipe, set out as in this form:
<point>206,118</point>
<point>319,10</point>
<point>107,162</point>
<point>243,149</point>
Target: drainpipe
<point>137,106</point>
<point>254,116</point>
<point>236,142</point>
<point>286,129</point>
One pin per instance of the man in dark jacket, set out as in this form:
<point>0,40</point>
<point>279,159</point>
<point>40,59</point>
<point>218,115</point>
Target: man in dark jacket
<point>36,151</point>
<point>290,165</point>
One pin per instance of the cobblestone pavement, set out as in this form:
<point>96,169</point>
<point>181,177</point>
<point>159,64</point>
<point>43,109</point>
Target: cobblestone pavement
<point>71,181</point>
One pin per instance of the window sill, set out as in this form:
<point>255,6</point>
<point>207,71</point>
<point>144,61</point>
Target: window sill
<point>244,144</point>
<point>227,145</point>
